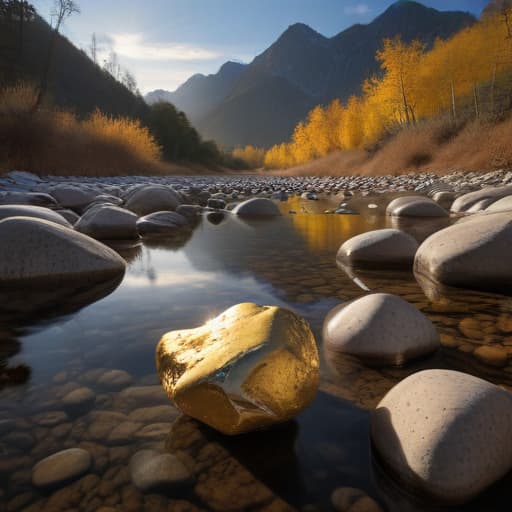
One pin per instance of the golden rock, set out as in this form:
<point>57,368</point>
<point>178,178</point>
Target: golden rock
<point>250,367</point>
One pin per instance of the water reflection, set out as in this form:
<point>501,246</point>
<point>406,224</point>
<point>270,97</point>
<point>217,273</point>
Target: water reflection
<point>179,282</point>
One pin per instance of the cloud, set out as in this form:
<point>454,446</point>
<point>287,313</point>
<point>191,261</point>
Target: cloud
<point>134,46</point>
<point>357,9</point>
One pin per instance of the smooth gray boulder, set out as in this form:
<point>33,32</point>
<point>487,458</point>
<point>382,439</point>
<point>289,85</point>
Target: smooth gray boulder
<point>108,223</point>
<point>61,467</point>
<point>445,433</point>
<point>380,328</point>
<point>153,198</point>
<point>257,207</point>
<point>38,250</point>
<point>33,198</point>
<point>474,254</point>
<point>161,224</point>
<point>73,196</point>
<point>501,205</point>
<point>465,202</point>
<point>37,212</point>
<point>415,206</point>
<point>151,470</point>
<point>380,248</point>
<point>69,215</point>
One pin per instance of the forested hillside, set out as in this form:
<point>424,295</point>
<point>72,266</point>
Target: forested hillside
<point>63,111</point>
<point>465,78</point>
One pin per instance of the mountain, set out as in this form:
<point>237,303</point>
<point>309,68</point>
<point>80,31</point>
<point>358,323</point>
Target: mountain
<point>201,93</point>
<point>495,6</point>
<point>261,102</point>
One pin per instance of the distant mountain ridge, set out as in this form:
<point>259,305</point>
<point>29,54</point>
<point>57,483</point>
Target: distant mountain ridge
<point>260,103</point>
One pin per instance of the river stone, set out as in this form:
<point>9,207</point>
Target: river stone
<point>151,470</point>
<point>350,499</point>
<point>501,205</point>
<point>69,215</point>
<point>465,202</point>
<point>35,249</point>
<point>115,380</point>
<point>445,433</point>
<point>380,328</point>
<point>37,212</point>
<point>154,414</point>
<point>27,198</point>
<point>61,467</point>
<point>108,223</point>
<point>71,196</point>
<point>161,223</point>
<point>153,198</point>
<point>383,247</point>
<point>473,254</point>
<point>79,398</point>
<point>257,207</point>
<point>415,206</point>
<point>190,211</point>
<point>250,367</point>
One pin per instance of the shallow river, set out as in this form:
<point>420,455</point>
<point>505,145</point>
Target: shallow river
<point>56,342</point>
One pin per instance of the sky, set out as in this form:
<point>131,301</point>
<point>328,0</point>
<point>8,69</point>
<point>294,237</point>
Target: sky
<point>164,42</point>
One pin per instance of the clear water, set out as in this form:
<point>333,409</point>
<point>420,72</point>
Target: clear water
<point>52,343</point>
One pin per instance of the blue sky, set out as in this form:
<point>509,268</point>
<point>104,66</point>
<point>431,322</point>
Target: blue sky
<point>163,42</point>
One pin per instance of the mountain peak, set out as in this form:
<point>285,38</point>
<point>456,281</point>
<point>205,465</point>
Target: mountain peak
<point>301,31</point>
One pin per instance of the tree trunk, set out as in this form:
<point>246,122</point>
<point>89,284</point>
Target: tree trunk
<point>454,108</point>
<point>43,86</point>
<point>475,97</point>
<point>404,99</point>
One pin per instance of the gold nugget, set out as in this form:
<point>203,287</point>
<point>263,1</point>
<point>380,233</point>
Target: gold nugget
<point>248,368</point>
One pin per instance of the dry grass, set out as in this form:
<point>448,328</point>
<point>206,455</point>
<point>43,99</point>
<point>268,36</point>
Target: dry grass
<point>52,141</point>
<point>437,146</point>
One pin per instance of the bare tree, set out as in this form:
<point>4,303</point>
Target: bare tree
<point>93,48</point>
<point>62,9</point>
<point>112,66</point>
<point>129,81</point>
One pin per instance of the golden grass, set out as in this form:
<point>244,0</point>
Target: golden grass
<point>436,146</point>
<point>53,141</point>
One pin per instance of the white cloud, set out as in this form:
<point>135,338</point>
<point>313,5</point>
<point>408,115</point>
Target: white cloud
<point>134,46</point>
<point>357,9</point>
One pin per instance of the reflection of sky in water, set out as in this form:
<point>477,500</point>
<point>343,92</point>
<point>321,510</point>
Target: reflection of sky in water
<point>184,283</point>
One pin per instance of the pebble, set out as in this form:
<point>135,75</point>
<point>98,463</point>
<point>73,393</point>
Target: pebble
<point>61,467</point>
<point>151,470</point>
<point>350,499</point>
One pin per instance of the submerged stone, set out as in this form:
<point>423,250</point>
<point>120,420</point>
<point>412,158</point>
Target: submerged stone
<point>61,467</point>
<point>249,368</point>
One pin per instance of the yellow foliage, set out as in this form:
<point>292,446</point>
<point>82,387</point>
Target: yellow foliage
<point>52,140</point>
<point>125,131</point>
<point>251,155</point>
<point>461,77</point>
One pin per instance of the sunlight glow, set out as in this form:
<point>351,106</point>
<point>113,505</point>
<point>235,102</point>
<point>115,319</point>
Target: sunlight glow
<point>135,47</point>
